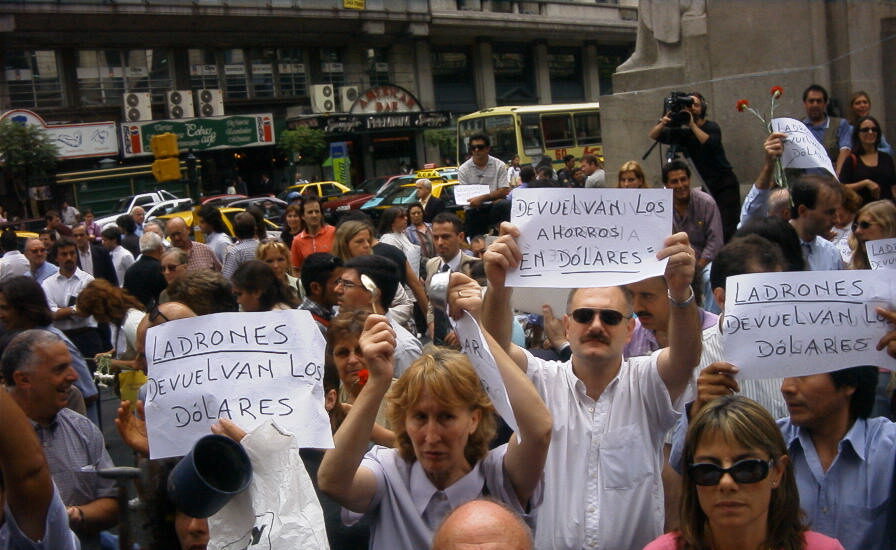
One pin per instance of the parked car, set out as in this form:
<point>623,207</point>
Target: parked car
<point>323,189</point>
<point>228,214</point>
<point>153,210</point>
<point>126,204</point>
<point>334,208</point>
<point>222,200</point>
<point>407,194</point>
<point>272,207</point>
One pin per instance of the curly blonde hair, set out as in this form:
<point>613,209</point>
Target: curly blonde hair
<point>106,302</point>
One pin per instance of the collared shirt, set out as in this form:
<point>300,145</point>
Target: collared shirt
<point>218,243</point>
<point>493,174</point>
<point>755,205</point>
<point>60,290</point>
<point>321,314</point>
<point>13,264</point>
<point>821,255</point>
<point>407,508</point>
<point>86,259</point>
<point>201,256</point>
<point>305,244</point>
<point>844,132</point>
<point>42,272</point>
<point>602,476</point>
<point>598,178</point>
<point>644,342</point>
<point>850,501</point>
<point>122,259</point>
<point>703,224</point>
<point>57,535</point>
<point>70,442</point>
<point>237,255</point>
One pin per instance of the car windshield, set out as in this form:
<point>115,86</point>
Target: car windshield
<point>402,195</point>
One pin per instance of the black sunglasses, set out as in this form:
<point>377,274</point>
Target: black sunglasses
<point>863,225</point>
<point>608,317</point>
<point>751,470</point>
<point>478,147</point>
<point>869,130</point>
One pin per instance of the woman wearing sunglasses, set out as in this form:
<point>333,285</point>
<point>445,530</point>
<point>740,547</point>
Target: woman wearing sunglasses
<point>739,491</point>
<point>875,220</point>
<point>868,171</point>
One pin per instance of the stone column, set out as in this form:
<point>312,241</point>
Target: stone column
<point>484,74</point>
<point>426,93</point>
<point>590,73</point>
<point>542,73</point>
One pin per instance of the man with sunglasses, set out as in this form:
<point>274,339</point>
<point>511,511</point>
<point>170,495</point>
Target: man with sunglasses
<point>603,486</point>
<point>481,168</point>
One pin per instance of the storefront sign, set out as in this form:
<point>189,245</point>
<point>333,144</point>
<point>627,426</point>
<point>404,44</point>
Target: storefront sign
<point>347,124</point>
<point>385,99</point>
<point>201,134</point>
<point>72,141</point>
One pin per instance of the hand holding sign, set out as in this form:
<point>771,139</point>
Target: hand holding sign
<point>502,256</point>
<point>680,266</point>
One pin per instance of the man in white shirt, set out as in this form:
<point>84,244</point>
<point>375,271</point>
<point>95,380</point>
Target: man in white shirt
<point>595,176</point>
<point>815,201</point>
<point>603,487</point>
<point>122,258</point>
<point>13,263</point>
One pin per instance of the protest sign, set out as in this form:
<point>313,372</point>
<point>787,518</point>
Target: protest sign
<point>572,238</point>
<point>801,149</point>
<point>463,193</point>
<point>475,347</point>
<point>881,253</point>
<point>247,367</point>
<point>808,322</point>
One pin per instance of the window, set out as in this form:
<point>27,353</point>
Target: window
<point>32,78</point>
<point>291,72</point>
<point>331,66</point>
<point>378,66</point>
<point>514,75</point>
<point>587,128</point>
<point>565,68</point>
<point>531,134</point>
<point>147,71</point>
<point>203,69</point>
<point>261,64</point>
<point>100,77</point>
<point>452,78</point>
<point>236,81</point>
<point>557,131</point>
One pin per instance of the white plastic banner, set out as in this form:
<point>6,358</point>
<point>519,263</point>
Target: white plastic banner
<point>463,193</point>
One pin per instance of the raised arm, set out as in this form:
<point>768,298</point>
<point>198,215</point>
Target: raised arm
<point>26,476</point>
<point>524,462</point>
<point>501,256</point>
<point>677,362</point>
<point>341,475</point>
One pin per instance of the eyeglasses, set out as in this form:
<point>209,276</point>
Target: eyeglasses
<point>863,225</point>
<point>869,130</point>
<point>153,313</point>
<point>751,470</point>
<point>348,284</point>
<point>478,147</point>
<point>608,317</point>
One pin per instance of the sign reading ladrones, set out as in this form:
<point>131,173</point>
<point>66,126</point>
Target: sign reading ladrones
<point>200,134</point>
<point>574,238</point>
<point>246,367</point>
<point>799,323</point>
<point>881,253</point>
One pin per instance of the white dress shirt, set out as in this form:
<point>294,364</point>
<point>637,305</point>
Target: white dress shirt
<point>86,259</point>
<point>122,259</point>
<point>59,290</point>
<point>602,477</point>
<point>13,264</point>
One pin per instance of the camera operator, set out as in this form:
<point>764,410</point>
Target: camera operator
<point>684,124</point>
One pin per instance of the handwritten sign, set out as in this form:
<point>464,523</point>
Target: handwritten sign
<point>475,347</point>
<point>573,238</point>
<point>247,367</point>
<point>463,193</point>
<point>799,323</point>
<point>801,149</point>
<point>881,253</point>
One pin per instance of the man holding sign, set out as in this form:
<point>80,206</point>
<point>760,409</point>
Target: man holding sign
<point>602,477</point>
<point>484,169</point>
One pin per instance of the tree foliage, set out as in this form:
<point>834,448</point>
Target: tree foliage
<point>309,143</point>
<point>28,156</point>
<point>443,138</point>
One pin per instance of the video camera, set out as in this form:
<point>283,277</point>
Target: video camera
<point>675,107</point>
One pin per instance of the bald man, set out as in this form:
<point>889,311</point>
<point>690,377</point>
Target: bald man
<point>199,255</point>
<point>483,525</point>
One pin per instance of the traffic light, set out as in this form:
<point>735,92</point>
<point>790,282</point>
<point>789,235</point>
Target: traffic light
<point>166,167</point>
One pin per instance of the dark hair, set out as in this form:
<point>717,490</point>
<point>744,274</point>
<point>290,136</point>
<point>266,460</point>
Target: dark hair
<point>257,276</point>
<point>703,105</point>
<point>8,239</point>
<point>28,299</point>
<point>480,136</point>
<point>673,166</point>
<point>545,172</point>
<point>212,216</point>
<point>51,214</point>
<point>307,199</point>
<point>567,158</point>
<point>348,324</point>
<point>589,159</point>
<point>449,217</point>
<point>112,233</point>
<point>261,230</point>
<point>743,253</point>
<point>856,143</point>
<point>804,191</point>
<point>388,218</point>
<point>815,88</point>
<point>357,216</point>
<point>19,352</point>
<point>244,225</point>
<point>779,232</point>
<point>864,380</point>
<point>317,268</point>
<point>382,271</point>
<point>62,242</point>
<point>126,223</point>
<point>527,174</point>
<point>414,205</point>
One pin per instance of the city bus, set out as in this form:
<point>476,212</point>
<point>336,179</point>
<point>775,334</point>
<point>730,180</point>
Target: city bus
<point>535,131</point>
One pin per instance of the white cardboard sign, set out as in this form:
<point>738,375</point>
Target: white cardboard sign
<point>475,347</point>
<point>801,149</point>
<point>248,367</point>
<point>463,193</point>
<point>577,238</point>
<point>881,253</point>
<point>799,323</point>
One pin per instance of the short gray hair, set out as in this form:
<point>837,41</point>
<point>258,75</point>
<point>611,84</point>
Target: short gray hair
<point>424,182</point>
<point>21,354</point>
<point>150,241</point>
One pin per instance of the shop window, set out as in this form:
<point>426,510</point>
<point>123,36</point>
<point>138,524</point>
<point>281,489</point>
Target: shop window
<point>203,69</point>
<point>32,78</point>
<point>291,72</point>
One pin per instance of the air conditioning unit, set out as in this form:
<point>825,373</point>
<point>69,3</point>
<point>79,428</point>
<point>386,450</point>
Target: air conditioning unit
<point>180,104</point>
<point>322,98</point>
<point>347,97</point>
<point>209,102</point>
<point>137,106</point>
